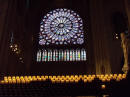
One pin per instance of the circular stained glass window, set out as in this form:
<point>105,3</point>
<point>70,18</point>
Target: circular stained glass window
<point>61,26</point>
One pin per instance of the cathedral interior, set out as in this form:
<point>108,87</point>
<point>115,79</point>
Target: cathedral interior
<point>65,48</point>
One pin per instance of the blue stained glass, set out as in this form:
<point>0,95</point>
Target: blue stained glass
<point>60,14</point>
<point>80,40</point>
<point>54,15</point>
<point>63,13</point>
<point>61,22</point>
<point>68,14</point>
<point>41,23</point>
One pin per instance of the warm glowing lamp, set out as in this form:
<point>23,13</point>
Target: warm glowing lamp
<point>103,86</point>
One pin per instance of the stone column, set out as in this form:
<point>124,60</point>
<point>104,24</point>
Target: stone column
<point>100,32</point>
<point>124,42</point>
<point>127,6</point>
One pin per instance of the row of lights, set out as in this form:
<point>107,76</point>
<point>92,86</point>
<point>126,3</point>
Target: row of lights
<point>116,77</point>
<point>16,49</point>
<point>62,79</point>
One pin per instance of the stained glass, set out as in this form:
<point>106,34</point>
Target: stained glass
<point>44,55</point>
<point>76,55</point>
<point>79,55</point>
<point>71,55</point>
<point>49,55</point>
<point>56,51</point>
<point>61,26</point>
<point>84,55</point>
<point>39,56</point>
<point>54,55</point>
<point>67,55</point>
<point>61,55</point>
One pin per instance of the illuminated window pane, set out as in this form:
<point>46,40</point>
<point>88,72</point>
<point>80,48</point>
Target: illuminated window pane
<point>48,59</point>
<point>56,51</point>
<point>49,55</point>
<point>44,56</point>
<point>62,55</point>
<point>59,55</point>
<point>84,55</point>
<point>54,55</point>
<point>71,55</point>
<point>39,56</point>
<point>78,55</point>
<point>60,26</point>
<point>67,55</point>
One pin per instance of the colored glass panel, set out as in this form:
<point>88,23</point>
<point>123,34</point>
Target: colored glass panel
<point>67,55</point>
<point>84,55</point>
<point>54,55</point>
<point>39,56</point>
<point>61,55</point>
<point>61,26</point>
<point>71,55</point>
<point>56,51</point>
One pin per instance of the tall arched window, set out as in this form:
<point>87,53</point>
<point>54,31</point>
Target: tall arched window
<point>61,37</point>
